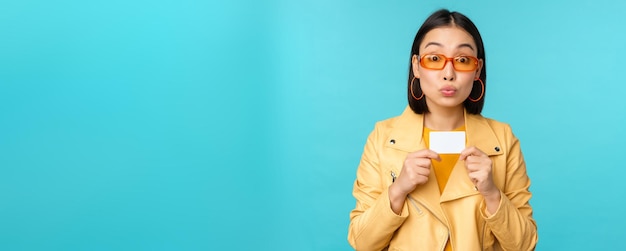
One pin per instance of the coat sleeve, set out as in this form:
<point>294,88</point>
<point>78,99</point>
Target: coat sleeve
<point>372,222</point>
<point>512,224</point>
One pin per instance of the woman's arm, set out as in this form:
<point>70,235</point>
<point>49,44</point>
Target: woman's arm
<point>512,223</point>
<point>372,221</point>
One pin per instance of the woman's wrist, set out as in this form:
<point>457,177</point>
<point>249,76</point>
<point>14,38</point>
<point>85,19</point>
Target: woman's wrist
<point>492,201</point>
<point>396,199</point>
<point>492,195</point>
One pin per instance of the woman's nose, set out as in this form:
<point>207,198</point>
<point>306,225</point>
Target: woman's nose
<point>448,71</point>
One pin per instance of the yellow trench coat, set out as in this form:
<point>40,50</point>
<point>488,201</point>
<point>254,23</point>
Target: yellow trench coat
<point>428,217</point>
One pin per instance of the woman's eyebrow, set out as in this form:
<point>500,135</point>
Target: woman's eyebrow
<point>432,43</point>
<point>466,45</point>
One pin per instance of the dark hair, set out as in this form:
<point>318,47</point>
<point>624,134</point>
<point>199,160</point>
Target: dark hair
<point>438,19</point>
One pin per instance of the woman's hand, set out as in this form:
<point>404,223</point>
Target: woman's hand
<point>479,167</point>
<point>415,171</point>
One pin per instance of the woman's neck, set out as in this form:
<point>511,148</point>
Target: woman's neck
<point>446,119</point>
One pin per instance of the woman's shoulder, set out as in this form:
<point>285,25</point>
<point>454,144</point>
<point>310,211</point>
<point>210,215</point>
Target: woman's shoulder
<point>407,117</point>
<point>495,123</point>
<point>388,122</point>
<point>497,126</point>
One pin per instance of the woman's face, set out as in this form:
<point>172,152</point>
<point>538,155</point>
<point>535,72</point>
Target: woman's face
<point>446,88</point>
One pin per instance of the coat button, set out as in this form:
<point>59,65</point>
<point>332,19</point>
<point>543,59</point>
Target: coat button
<point>393,141</point>
<point>497,149</point>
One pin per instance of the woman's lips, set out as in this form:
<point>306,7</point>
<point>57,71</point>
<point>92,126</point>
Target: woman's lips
<point>448,91</point>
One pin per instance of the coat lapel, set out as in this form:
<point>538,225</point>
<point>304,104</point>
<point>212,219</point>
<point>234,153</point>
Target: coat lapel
<point>406,134</point>
<point>480,134</point>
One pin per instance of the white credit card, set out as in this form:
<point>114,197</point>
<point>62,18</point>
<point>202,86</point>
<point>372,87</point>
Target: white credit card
<point>447,142</point>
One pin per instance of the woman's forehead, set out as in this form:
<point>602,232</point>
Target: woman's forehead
<point>448,37</point>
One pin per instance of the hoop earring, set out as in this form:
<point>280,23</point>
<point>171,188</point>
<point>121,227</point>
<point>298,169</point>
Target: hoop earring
<point>481,94</point>
<point>412,94</point>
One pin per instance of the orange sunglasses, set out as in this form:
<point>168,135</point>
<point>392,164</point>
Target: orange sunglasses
<point>438,62</point>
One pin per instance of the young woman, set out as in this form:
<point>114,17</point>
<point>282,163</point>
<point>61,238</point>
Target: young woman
<point>409,197</point>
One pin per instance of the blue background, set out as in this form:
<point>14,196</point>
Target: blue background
<point>194,125</point>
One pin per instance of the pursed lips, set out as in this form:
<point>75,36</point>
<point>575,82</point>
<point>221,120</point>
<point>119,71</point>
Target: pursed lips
<point>448,91</point>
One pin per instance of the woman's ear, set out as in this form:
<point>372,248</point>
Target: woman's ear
<point>479,69</point>
<point>415,64</point>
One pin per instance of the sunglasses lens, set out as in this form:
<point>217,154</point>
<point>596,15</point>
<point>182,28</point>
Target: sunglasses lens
<point>465,63</point>
<point>435,62</point>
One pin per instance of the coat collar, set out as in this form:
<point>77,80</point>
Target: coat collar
<point>406,135</point>
<point>407,129</point>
